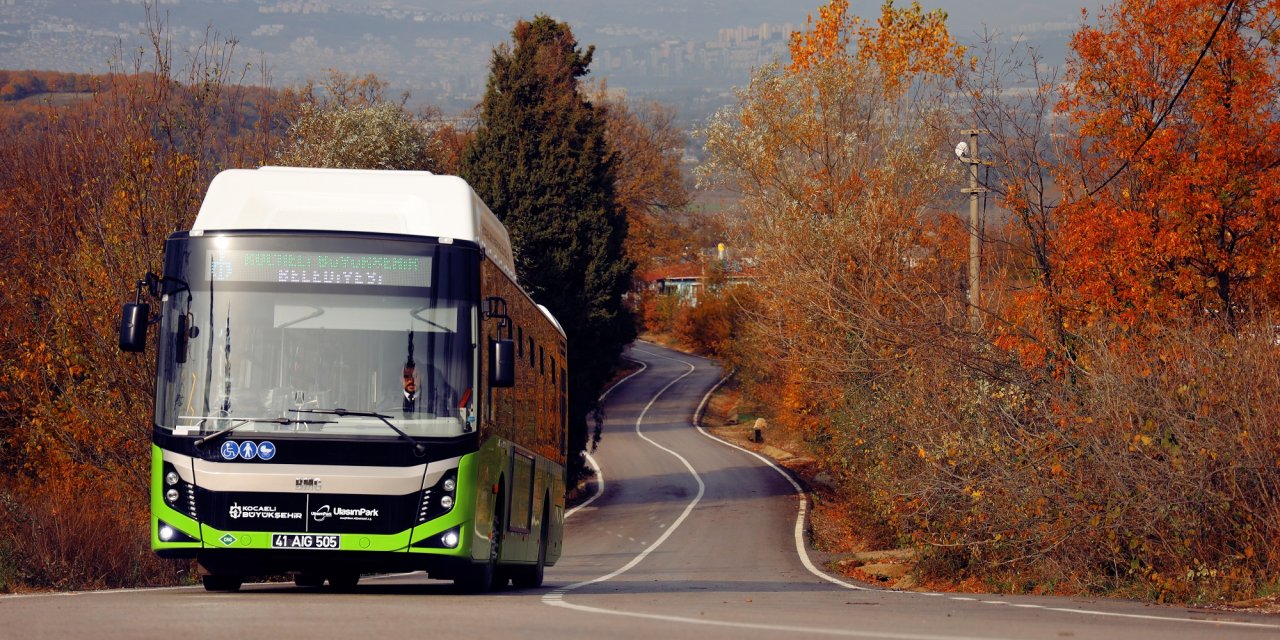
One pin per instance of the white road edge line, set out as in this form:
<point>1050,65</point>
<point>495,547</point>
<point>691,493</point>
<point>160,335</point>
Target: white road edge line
<point>592,461</point>
<point>631,375</point>
<point>800,495</point>
<point>804,555</point>
<point>808,564</point>
<point>848,633</point>
<point>63,594</point>
<point>599,487</point>
<point>556,598</point>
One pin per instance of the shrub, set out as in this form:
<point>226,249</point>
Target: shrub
<point>710,326</point>
<point>1152,471</point>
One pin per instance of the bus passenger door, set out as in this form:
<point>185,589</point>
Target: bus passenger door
<point>520,520</point>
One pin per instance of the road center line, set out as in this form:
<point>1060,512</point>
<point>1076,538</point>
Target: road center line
<point>556,598</point>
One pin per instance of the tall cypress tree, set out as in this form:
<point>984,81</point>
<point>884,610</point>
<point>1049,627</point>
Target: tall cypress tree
<point>540,160</point>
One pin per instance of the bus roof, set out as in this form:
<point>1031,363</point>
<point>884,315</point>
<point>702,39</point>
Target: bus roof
<point>416,203</point>
<point>556,323</point>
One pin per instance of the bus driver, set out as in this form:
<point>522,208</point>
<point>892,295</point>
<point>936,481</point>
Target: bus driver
<point>439,399</point>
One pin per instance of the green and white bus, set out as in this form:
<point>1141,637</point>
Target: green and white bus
<point>350,380</point>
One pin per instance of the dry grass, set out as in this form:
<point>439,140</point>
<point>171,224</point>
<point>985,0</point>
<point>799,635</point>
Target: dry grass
<point>77,538</point>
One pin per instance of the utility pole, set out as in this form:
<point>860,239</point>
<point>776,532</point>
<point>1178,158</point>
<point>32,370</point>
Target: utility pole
<point>975,228</point>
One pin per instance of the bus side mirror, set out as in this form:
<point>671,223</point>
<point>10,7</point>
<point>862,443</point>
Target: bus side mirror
<point>133,327</point>
<point>502,363</point>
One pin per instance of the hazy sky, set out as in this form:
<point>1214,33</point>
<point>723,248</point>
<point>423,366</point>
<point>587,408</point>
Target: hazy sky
<point>439,49</point>
<point>965,16</point>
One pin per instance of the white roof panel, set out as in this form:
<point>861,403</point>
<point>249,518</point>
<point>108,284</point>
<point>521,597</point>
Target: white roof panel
<point>415,203</point>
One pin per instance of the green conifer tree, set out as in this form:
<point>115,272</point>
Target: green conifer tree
<point>540,160</point>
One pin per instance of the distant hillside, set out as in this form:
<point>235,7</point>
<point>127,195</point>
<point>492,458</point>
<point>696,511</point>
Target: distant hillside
<point>60,87</point>
<point>25,94</point>
<point>55,98</point>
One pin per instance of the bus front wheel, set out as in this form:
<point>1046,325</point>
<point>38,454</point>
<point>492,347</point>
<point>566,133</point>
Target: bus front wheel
<point>484,577</point>
<point>221,582</point>
<point>344,581</point>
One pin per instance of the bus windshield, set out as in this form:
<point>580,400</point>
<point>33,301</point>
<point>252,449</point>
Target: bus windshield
<point>273,333</point>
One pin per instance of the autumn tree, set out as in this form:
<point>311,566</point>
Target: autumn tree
<point>1013,94</point>
<point>541,160</point>
<point>1107,467</point>
<point>343,90</point>
<point>1174,202</point>
<point>348,122</point>
<point>89,193</point>
<point>841,156</point>
<point>450,139</point>
<point>379,136</point>
<point>646,146</point>
<point>19,84</point>
<point>1098,435</point>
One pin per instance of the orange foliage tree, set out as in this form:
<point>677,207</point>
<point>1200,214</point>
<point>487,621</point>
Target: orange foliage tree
<point>16,85</point>
<point>1118,445</point>
<point>841,157</point>
<point>1134,458</point>
<point>89,193</point>
<point>1012,95</point>
<point>646,146</point>
<point>1173,205</point>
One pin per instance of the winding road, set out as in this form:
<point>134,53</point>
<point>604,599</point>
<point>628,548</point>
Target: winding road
<point>688,537</point>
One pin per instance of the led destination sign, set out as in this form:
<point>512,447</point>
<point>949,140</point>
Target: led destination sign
<point>308,267</point>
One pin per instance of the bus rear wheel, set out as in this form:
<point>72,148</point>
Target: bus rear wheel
<point>530,577</point>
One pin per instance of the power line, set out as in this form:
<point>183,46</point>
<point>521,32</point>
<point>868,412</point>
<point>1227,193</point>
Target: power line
<point>1169,109</point>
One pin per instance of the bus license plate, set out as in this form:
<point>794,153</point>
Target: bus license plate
<point>303,541</point>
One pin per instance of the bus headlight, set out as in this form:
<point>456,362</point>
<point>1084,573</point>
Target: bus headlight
<point>440,498</point>
<point>450,538</point>
<point>168,533</point>
<point>171,478</point>
<point>171,496</point>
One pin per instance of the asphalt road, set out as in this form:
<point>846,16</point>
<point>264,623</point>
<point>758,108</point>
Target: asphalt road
<point>689,538</point>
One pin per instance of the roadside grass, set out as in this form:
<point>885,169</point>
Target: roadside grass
<point>66,537</point>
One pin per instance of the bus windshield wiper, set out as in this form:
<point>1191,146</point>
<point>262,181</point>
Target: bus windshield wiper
<point>240,422</point>
<point>419,449</point>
